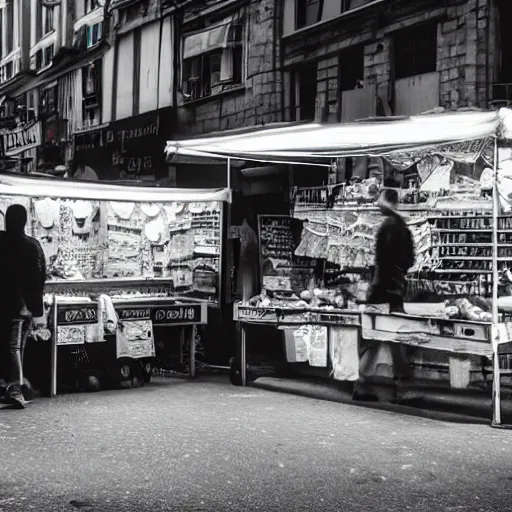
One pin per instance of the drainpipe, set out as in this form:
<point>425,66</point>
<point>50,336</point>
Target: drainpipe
<point>488,47</point>
<point>281,56</point>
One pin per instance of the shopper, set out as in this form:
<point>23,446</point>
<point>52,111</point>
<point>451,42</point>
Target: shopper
<point>21,298</point>
<point>394,255</point>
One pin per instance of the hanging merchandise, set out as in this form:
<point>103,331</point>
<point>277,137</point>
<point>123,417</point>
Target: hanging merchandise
<point>438,178</point>
<point>181,247</point>
<point>196,207</point>
<point>296,344</point>
<point>122,210</point>
<point>182,276</point>
<point>317,345</point>
<point>344,353</point>
<point>47,212</point>
<point>155,231</point>
<point>150,210</point>
<point>135,339</point>
<point>83,215</point>
<point>173,209</point>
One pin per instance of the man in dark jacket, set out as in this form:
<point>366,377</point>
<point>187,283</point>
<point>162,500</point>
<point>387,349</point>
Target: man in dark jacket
<point>21,298</point>
<point>394,256</point>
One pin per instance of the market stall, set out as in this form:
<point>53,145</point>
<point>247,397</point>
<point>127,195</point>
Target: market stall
<point>129,269</point>
<point>446,166</point>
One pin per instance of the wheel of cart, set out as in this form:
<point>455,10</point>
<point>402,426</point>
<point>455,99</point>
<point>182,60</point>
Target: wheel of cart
<point>147,364</point>
<point>127,373</point>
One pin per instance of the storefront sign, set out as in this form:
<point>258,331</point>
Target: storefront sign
<point>77,315</point>
<point>22,139</point>
<point>177,315</point>
<point>256,314</point>
<point>134,314</point>
<point>112,136</point>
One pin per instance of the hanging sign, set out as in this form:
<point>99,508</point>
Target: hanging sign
<point>22,139</point>
<point>77,315</point>
<point>187,314</point>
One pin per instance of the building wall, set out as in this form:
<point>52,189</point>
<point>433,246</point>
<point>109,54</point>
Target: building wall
<point>465,57</point>
<point>258,100</point>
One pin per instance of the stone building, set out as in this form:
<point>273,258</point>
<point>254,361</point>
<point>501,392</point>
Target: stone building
<point>392,57</point>
<point>229,65</point>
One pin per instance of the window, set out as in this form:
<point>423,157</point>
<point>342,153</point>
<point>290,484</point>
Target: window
<point>351,68</point>
<point>47,20</point>
<point>348,5</point>
<point>48,100</point>
<point>9,28</point>
<point>1,30</point>
<point>90,5</point>
<point>91,90</point>
<point>303,94</point>
<point>208,73</point>
<point>39,59</point>
<point>137,35</point>
<point>94,34</point>
<point>416,51</point>
<point>48,55</point>
<point>308,12</point>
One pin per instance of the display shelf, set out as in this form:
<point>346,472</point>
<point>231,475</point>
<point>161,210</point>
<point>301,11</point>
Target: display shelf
<point>474,258</point>
<point>447,335</point>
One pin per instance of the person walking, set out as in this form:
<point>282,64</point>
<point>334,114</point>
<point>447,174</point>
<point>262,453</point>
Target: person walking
<point>394,256</point>
<point>23,264</point>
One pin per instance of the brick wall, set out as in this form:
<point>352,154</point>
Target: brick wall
<point>465,53</point>
<point>259,102</point>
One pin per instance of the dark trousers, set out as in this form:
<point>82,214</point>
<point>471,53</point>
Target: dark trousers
<point>380,293</point>
<point>13,338</point>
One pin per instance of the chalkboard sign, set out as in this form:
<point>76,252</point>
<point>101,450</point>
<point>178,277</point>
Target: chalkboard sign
<point>177,314</point>
<point>77,315</point>
<point>280,269</point>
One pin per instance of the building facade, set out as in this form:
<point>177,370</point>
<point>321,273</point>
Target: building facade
<point>99,85</point>
<point>137,88</point>
<point>392,57</point>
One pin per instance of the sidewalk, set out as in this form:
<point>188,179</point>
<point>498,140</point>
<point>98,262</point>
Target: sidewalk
<point>437,401</point>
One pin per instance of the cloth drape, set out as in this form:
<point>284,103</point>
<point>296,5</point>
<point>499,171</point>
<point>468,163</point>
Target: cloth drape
<point>70,98</point>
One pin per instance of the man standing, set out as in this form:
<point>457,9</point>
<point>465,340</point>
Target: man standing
<point>394,256</point>
<point>21,298</point>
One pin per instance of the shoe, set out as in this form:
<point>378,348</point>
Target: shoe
<point>15,397</point>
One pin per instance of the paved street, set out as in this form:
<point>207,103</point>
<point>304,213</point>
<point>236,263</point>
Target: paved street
<point>207,446</point>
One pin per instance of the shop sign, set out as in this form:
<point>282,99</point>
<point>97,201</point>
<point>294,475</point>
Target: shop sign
<point>177,315</point>
<point>111,136</point>
<point>22,139</point>
<point>134,314</point>
<point>257,314</point>
<point>80,315</point>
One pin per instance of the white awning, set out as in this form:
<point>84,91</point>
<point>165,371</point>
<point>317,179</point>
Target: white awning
<point>314,142</point>
<point>26,186</point>
<point>213,38</point>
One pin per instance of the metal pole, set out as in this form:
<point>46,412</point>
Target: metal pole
<point>54,338</point>
<point>192,358</point>
<point>228,170</point>
<point>243,355</point>
<point>496,385</point>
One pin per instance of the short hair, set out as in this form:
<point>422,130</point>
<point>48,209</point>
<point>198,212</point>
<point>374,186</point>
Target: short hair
<point>390,195</point>
<point>15,218</point>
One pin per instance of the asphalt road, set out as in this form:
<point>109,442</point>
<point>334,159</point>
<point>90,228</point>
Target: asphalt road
<point>208,446</point>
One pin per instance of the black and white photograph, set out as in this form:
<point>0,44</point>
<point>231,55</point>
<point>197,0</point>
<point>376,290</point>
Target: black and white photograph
<point>255,255</point>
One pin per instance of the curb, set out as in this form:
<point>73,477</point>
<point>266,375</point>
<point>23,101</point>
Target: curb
<point>471,409</point>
